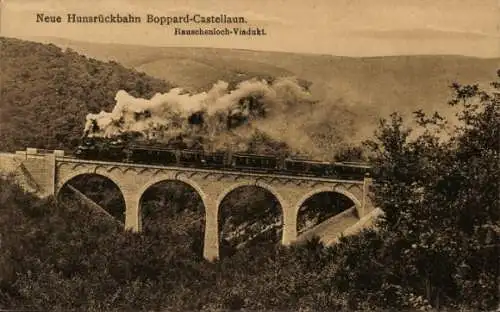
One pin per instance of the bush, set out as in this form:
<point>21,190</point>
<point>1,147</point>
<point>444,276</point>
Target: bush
<point>437,245</point>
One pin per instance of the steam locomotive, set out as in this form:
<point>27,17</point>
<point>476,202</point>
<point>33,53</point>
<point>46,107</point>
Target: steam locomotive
<point>121,151</point>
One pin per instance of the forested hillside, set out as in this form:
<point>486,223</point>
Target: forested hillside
<point>435,249</point>
<point>351,93</point>
<point>46,93</point>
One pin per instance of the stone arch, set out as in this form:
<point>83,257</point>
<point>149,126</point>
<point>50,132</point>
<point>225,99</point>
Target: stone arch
<point>117,214</point>
<point>264,186</point>
<point>180,178</point>
<point>166,178</point>
<point>92,171</point>
<point>187,182</point>
<point>348,195</point>
<point>325,189</point>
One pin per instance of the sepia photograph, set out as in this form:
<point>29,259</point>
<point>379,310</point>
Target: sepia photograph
<point>250,155</point>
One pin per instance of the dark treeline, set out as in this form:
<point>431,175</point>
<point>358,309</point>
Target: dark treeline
<point>436,248</point>
<point>46,93</point>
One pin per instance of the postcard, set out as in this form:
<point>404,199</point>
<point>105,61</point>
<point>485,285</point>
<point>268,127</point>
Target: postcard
<point>220,155</point>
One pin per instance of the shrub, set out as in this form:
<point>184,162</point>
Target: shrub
<point>437,244</point>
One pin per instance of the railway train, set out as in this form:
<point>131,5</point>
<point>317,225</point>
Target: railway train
<point>121,151</point>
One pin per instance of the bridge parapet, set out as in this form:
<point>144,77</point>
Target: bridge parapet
<point>37,153</point>
<point>208,172</point>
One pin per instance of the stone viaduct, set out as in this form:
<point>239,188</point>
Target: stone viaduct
<point>48,172</point>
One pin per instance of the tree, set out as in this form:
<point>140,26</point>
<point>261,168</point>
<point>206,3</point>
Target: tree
<point>439,191</point>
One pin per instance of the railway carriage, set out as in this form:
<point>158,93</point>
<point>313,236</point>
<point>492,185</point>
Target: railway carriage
<point>215,160</point>
<point>120,151</point>
<point>351,171</point>
<point>191,158</point>
<point>255,162</point>
<point>153,156</point>
<point>306,167</point>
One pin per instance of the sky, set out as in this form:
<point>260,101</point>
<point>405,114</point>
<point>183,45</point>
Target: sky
<point>337,27</point>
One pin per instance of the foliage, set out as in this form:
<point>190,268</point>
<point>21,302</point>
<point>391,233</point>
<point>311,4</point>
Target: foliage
<point>61,256</point>
<point>437,244</point>
<point>47,92</point>
<point>103,192</point>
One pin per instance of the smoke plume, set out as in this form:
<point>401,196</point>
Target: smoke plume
<point>218,119</point>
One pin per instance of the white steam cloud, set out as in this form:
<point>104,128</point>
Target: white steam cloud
<point>220,111</point>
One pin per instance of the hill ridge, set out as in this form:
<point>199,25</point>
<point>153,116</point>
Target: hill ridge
<point>61,40</point>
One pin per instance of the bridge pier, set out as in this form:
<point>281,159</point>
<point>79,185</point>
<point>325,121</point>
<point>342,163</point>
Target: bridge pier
<point>211,241</point>
<point>289,224</point>
<point>133,218</point>
<point>366,203</point>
